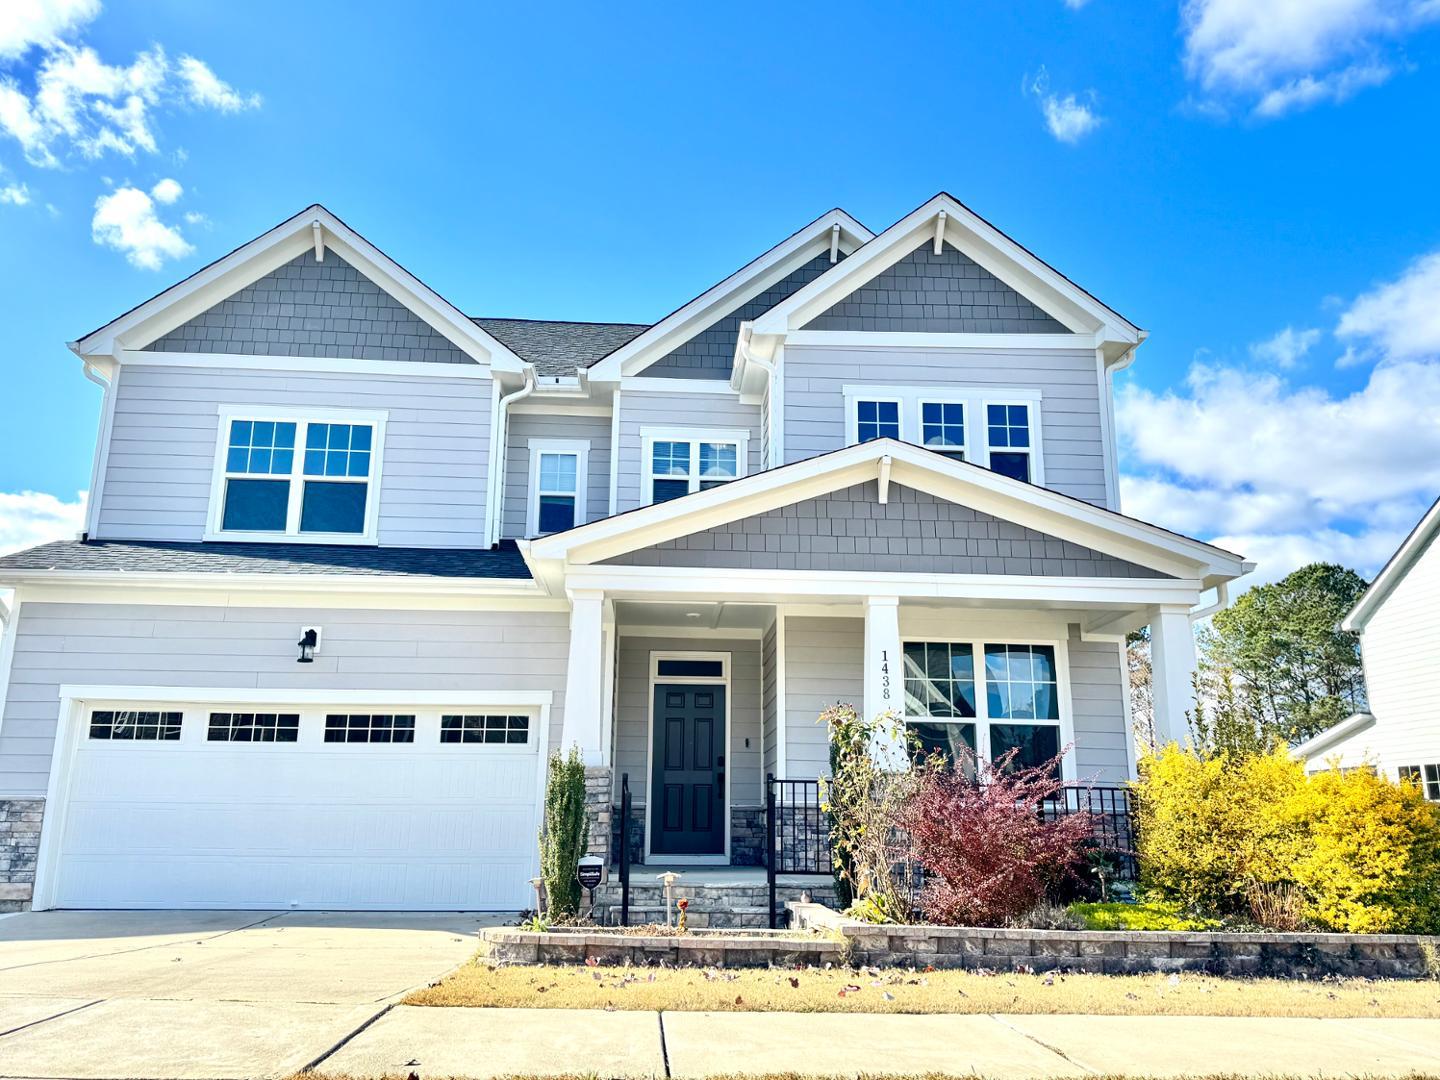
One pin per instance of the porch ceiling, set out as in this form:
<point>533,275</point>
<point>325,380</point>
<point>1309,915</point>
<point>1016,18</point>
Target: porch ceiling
<point>704,615</point>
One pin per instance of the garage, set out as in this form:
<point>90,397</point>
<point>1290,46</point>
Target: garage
<point>381,803</point>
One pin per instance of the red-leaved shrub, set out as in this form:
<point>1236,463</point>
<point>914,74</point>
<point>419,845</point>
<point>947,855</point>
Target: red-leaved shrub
<point>987,851</point>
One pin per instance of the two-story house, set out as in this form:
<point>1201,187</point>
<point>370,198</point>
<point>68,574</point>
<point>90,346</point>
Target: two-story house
<point>355,562</point>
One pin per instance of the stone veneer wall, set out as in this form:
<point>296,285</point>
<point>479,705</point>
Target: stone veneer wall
<point>747,835</point>
<point>599,782</point>
<point>19,846</point>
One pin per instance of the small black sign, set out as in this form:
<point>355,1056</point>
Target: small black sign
<point>590,872</point>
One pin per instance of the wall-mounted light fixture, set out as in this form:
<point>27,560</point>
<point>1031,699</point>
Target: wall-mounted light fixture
<point>309,642</point>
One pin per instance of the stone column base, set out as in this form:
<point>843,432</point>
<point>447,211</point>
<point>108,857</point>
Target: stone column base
<point>19,846</point>
<point>599,809</point>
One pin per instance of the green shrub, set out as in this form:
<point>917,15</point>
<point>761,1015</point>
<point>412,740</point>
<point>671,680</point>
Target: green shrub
<point>1154,915</point>
<point>563,835</point>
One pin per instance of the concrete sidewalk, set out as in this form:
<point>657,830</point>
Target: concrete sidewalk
<point>484,1043</point>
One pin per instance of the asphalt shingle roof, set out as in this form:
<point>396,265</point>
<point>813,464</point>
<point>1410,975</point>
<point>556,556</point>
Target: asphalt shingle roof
<point>560,348</point>
<point>150,557</point>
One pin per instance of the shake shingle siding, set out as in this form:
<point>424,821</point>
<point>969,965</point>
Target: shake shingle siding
<point>310,308</point>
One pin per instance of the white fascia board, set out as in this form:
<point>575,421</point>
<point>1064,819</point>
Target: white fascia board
<point>1331,736</point>
<point>976,238</point>
<point>271,250</point>
<point>960,482</point>
<point>1394,571</point>
<point>739,288</point>
<point>891,341</point>
<point>355,584</point>
<point>328,365</point>
<point>240,695</point>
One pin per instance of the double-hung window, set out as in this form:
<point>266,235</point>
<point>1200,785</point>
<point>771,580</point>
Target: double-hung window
<point>558,475</point>
<point>983,700</point>
<point>1008,437</point>
<point>679,462</point>
<point>942,427</point>
<point>878,419</point>
<point>1425,777</point>
<point>307,476</point>
<point>994,428</point>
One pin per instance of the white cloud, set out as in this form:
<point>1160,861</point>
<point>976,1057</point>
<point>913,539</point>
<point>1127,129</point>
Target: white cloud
<point>1068,118</point>
<point>1287,348</point>
<point>1401,318</point>
<point>167,191</point>
<point>126,221</point>
<point>1282,55</point>
<point>35,517</point>
<point>25,24</point>
<point>15,194</point>
<point>203,87</point>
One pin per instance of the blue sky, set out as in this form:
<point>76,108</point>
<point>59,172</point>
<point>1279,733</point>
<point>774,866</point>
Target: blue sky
<point>1255,187</point>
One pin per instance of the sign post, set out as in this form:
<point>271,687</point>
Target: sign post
<point>590,872</point>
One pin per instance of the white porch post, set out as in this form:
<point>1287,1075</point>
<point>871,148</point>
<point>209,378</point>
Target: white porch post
<point>1172,663</point>
<point>585,681</point>
<point>884,677</point>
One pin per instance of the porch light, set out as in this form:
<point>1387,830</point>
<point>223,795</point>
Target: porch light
<point>309,642</point>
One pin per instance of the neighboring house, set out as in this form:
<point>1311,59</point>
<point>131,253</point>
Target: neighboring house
<point>1398,620</point>
<point>355,563</point>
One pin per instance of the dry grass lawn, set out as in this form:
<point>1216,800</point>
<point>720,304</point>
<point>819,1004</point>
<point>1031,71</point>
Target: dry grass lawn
<point>857,1076</point>
<point>907,991</point>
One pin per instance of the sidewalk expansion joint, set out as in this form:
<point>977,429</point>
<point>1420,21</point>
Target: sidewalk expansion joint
<point>1042,1044</point>
<point>346,1039</point>
<point>47,1019</point>
<point>664,1050</point>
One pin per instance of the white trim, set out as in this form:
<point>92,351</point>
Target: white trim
<point>100,462</point>
<point>889,341</point>
<point>326,365</point>
<point>1036,436</point>
<point>541,405</point>
<point>579,449</point>
<point>1132,752</point>
<point>9,633</point>
<point>613,508</point>
<point>911,401</point>
<point>694,436</point>
<point>1105,375</point>
<point>258,590</point>
<point>875,396</point>
<point>738,633</point>
<point>302,419</point>
<point>1353,724</point>
<point>643,385</point>
<point>782,749</point>
<point>1394,571</point>
<point>651,802</point>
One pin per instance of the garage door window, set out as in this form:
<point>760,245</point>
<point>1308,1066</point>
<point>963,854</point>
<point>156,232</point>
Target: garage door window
<point>254,727</point>
<point>134,726</point>
<point>369,728</point>
<point>484,729</point>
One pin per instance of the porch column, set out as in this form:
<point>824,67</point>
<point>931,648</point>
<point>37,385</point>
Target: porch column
<point>1172,664</point>
<point>884,675</point>
<point>585,679</point>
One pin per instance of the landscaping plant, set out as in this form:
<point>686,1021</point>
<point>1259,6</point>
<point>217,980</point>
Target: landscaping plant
<point>979,832</point>
<point>563,834</point>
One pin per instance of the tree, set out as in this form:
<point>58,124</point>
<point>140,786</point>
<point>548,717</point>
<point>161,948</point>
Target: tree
<point>1141,676</point>
<point>562,839</point>
<point>1226,721</point>
<point>1293,664</point>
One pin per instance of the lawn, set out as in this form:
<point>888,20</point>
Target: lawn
<point>403,1075</point>
<point>908,991</point>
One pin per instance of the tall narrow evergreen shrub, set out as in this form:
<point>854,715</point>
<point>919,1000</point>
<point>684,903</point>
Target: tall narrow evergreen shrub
<point>563,834</point>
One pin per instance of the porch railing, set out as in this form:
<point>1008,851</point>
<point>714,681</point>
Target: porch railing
<point>1112,818</point>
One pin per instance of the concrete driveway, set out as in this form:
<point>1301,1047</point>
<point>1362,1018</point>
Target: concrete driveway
<point>215,994</point>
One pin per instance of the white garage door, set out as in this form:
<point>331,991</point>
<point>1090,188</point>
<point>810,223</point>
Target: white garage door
<point>273,807</point>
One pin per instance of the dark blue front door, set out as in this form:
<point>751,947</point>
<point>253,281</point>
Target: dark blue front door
<point>687,779</point>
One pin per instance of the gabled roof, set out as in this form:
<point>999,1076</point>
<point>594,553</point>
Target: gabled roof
<point>1395,570</point>
<point>721,299</point>
<point>559,348</point>
<point>889,460</point>
<point>222,278</point>
<point>971,234</point>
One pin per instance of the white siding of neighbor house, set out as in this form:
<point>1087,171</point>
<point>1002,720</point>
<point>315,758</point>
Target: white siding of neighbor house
<point>525,426</point>
<point>1072,438</point>
<point>162,448</point>
<point>247,647</point>
<point>691,411</point>
<point>632,712</point>
<point>824,666</point>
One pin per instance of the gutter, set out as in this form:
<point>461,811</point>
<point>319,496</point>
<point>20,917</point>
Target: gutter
<point>106,382</point>
<point>499,427</point>
<point>382,584</point>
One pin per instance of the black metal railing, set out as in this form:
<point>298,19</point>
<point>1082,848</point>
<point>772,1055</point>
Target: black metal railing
<point>624,849</point>
<point>797,833</point>
<point>1112,817</point>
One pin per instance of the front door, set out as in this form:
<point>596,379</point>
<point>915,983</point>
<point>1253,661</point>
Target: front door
<point>687,777</point>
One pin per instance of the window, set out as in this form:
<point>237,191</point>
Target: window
<point>369,728</point>
<point>281,478</point>
<point>942,427</point>
<point>129,725</point>
<point>254,727</point>
<point>558,474</point>
<point>678,463</point>
<point>684,669</point>
<point>1008,436</point>
<point>1011,703</point>
<point>1425,777</point>
<point>877,420</point>
<point>485,729</point>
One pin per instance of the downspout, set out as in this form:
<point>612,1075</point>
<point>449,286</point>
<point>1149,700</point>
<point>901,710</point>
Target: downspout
<point>1222,601</point>
<point>102,444</point>
<point>746,330</point>
<point>498,429</point>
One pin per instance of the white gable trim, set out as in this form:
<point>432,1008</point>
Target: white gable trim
<point>250,262</point>
<point>736,290</point>
<point>1395,570</point>
<point>910,466</point>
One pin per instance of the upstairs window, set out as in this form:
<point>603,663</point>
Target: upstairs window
<point>942,427</point>
<point>1008,434</point>
<point>678,463</point>
<point>296,478</point>
<point>877,420</point>
<point>558,471</point>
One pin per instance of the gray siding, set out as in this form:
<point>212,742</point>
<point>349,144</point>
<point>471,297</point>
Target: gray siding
<point>162,448</point>
<point>824,665</point>
<point>710,353</point>
<point>1071,439</point>
<point>946,293</point>
<point>696,411</point>
<point>309,308</point>
<point>526,426</point>
<point>155,645</point>
<point>1097,693</point>
<point>769,705</point>
<point>914,532</point>
<point>632,712</point>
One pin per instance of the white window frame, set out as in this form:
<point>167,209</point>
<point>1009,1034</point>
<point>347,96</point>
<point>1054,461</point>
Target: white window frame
<point>977,429</point>
<point>649,436</point>
<point>982,719</point>
<point>579,449</point>
<point>968,419</point>
<point>302,419</point>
